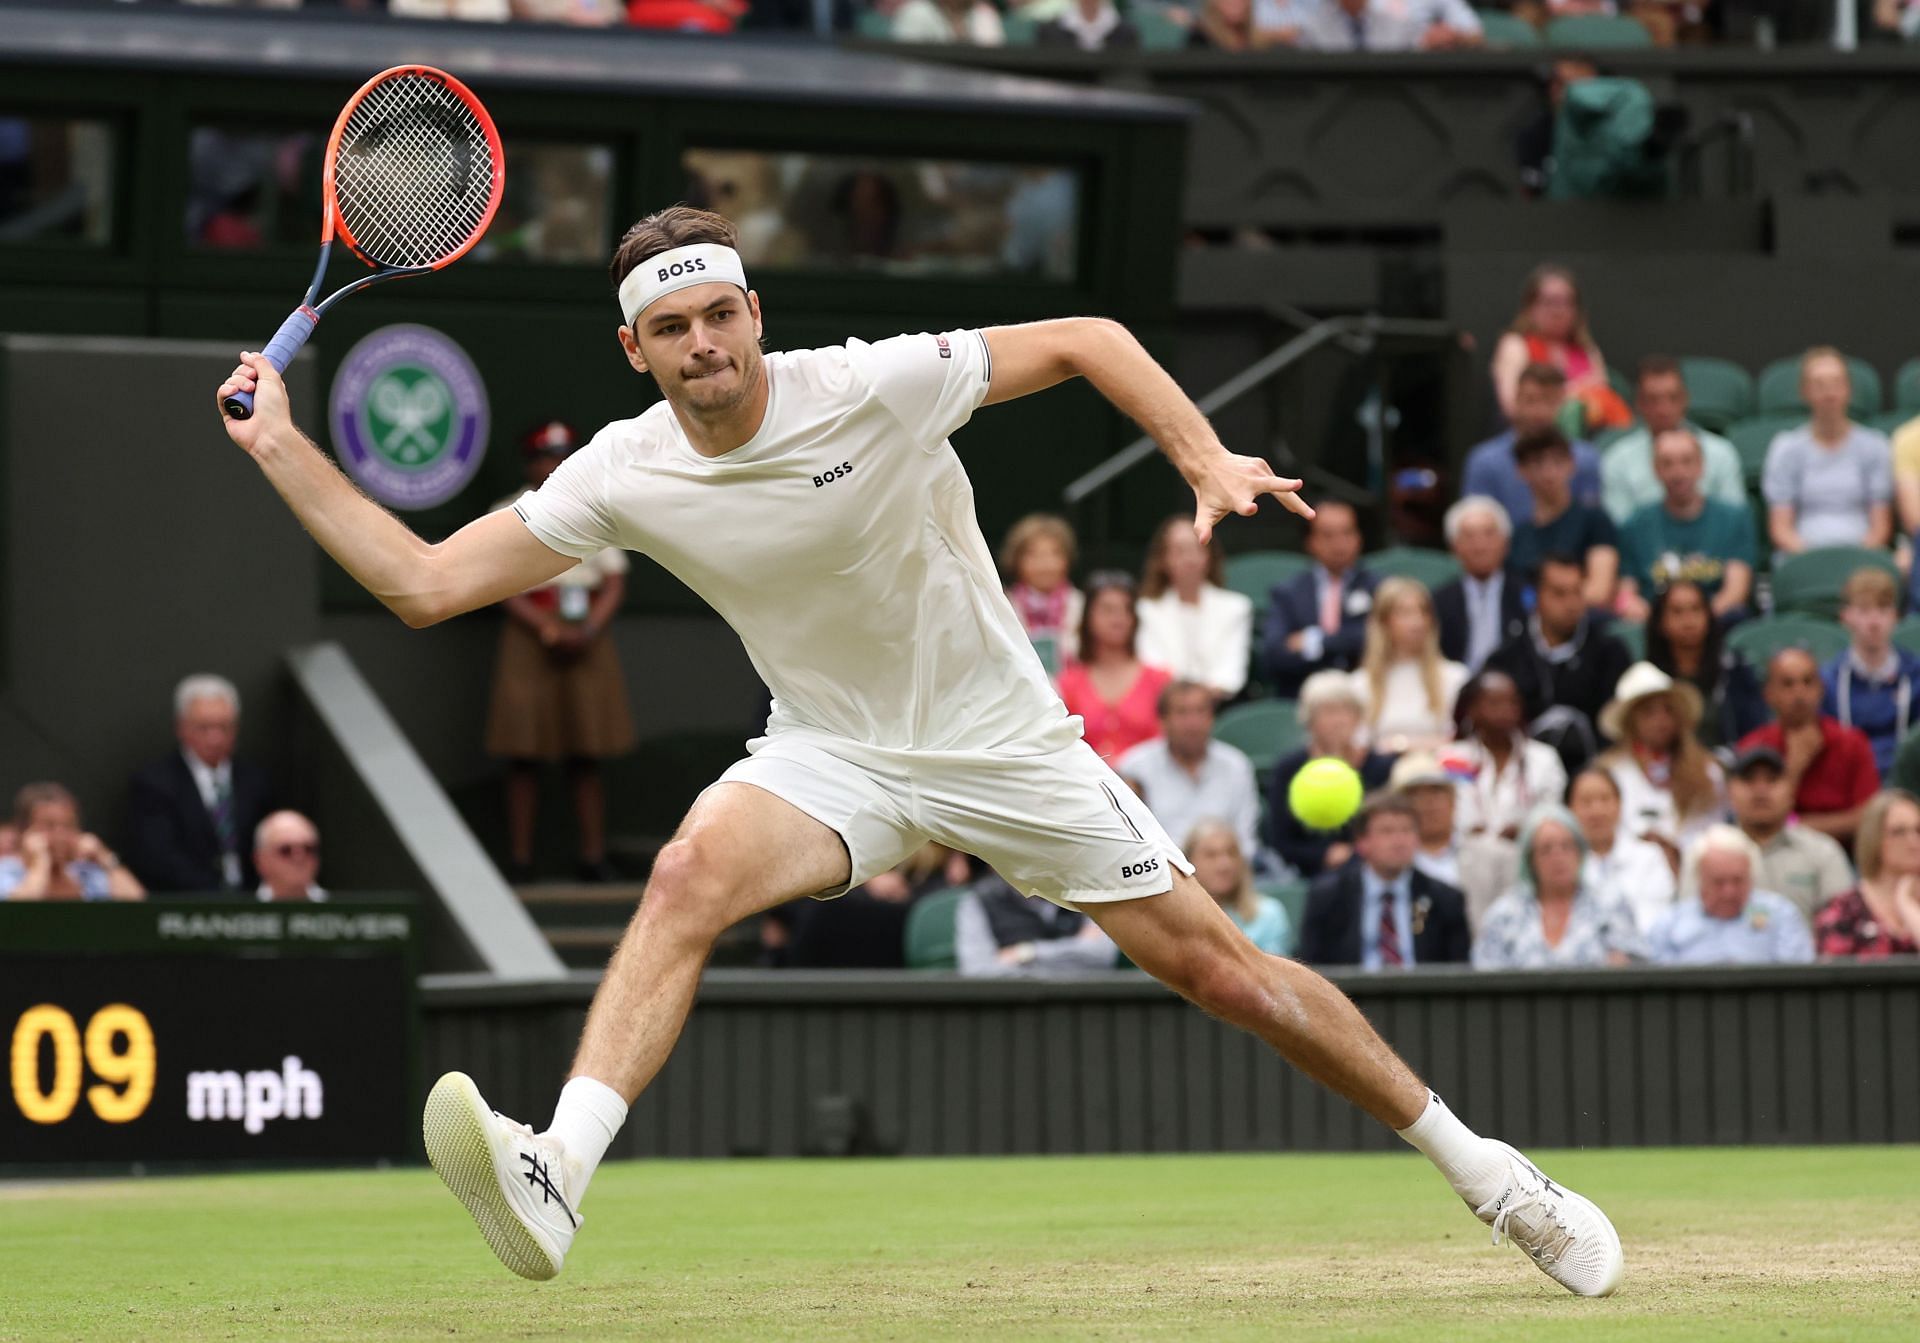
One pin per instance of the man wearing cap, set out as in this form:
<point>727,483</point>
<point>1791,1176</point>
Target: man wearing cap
<point>1728,920</point>
<point>559,695</point>
<point>813,499</point>
<point>1830,769</point>
<point>1799,862</point>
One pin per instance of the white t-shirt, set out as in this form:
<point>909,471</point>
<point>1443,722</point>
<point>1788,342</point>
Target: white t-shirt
<point>839,542</point>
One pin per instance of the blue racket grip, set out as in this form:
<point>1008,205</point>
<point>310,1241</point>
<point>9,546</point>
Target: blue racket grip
<point>280,351</point>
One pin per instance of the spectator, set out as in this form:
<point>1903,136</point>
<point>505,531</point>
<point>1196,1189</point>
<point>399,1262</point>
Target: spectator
<point>1115,694</point>
<point>1557,524</point>
<point>286,852</point>
<point>1479,867</point>
<point>687,16</point>
<point>1221,865</point>
<point>1671,790</point>
<point>477,11</point>
<point>1807,867</point>
<point>1490,468</point>
<point>1629,477</point>
<point>1686,535</point>
<point>1373,25</point>
<point>1318,620</point>
<point>1564,665</point>
<point>1184,775</point>
<point>1481,609</point>
<point>1410,687</point>
<point>1382,912</point>
<point>573,13</point>
<point>1190,623</point>
<point>1870,684</point>
<point>1554,919</point>
<point>1829,482</point>
<point>1881,916</point>
<point>1830,768</point>
<point>1729,919</point>
<point>865,929</point>
<point>974,22</point>
<point>188,811</point>
<point>1225,25</point>
<point>57,859</point>
<point>1905,452</point>
<point>1906,765</point>
<point>559,694</point>
<point>1090,25</point>
<point>1551,329</point>
<point>1617,861</point>
<point>1501,774</point>
<point>1002,934</point>
<point>1038,556</point>
<point>1332,707</point>
<point>1688,644</point>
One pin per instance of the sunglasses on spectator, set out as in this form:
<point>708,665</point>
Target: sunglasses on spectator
<point>297,850</point>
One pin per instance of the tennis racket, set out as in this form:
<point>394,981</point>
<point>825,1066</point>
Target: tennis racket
<point>413,174</point>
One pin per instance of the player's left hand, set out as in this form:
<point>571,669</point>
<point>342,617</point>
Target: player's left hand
<point>1233,484</point>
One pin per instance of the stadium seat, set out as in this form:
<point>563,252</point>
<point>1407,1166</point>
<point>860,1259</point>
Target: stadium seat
<point>1751,438</point>
<point>1020,29</point>
<point>1758,640</point>
<point>930,930</point>
<point>1159,31</point>
<point>1780,387</point>
<point>1292,896</point>
<point>1633,635</point>
<point>1622,383</point>
<point>1889,421</point>
<point>1719,392</point>
<point>1597,31</point>
<point>1431,567</point>
<point>872,24</point>
<point>1505,30</point>
<point>1606,438</point>
<point>1809,583</point>
<point>1254,573</point>
<point>1907,634</point>
<point>1906,387</point>
<point>1265,729</point>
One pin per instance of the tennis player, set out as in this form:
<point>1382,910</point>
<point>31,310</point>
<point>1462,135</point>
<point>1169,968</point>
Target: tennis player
<point>811,497</point>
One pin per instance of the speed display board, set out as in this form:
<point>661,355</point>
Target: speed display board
<point>206,1033</point>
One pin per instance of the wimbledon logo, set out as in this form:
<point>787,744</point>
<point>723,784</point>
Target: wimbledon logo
<point>409,416</point>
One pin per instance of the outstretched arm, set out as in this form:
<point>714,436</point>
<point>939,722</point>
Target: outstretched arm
<point>1027,359</point>
<point>486,561</point>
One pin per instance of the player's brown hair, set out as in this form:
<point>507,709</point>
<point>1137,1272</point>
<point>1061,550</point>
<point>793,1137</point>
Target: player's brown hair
<point>676,226</point>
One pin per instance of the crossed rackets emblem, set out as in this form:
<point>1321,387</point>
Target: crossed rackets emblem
<point>409,414</point>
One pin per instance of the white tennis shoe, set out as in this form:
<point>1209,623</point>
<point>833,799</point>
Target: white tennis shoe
<point>1566,1235</point>
<point>513,1180</point>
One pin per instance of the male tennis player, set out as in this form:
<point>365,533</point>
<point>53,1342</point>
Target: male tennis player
<point>811,497</point>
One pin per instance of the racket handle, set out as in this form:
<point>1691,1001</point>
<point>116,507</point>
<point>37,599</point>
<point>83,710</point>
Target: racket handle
<point>280,351</point>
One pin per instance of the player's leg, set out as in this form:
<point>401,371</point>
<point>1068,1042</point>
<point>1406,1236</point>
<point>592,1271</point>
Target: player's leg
<point>1185,940</point>
<point>740,850</point>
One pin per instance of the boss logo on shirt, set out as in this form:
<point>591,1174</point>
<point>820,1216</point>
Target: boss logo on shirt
<point>827,478</point>
<point>946,350</point>
<point>1131,870</point>
<point>683,268</point>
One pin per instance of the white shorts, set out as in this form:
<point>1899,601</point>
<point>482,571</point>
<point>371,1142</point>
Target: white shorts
<point>1054,820</point>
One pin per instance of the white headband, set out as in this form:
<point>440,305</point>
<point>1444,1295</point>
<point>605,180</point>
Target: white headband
<point>658,276</point>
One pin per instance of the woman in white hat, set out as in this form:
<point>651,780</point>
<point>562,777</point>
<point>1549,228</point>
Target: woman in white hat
<point>1671,790</point>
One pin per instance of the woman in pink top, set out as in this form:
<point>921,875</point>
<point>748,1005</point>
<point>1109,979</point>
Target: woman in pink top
<point>1551,328</point>
<point>1115,694</point>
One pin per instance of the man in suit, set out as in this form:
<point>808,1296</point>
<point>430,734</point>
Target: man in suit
<point>1318,620</point>
<point>192,813</point>
<point>1480,610</point>
<point>1380,912</point>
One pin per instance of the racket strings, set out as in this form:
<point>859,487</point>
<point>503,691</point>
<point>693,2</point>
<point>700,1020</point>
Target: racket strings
<point>414,173</point>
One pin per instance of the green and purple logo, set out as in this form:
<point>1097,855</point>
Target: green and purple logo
<point>409,416</point>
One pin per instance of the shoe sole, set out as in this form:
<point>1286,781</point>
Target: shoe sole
<point>1612,1284</point>
<point>462,1149</point>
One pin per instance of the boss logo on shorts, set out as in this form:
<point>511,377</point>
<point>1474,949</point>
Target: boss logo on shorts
<point>946,348</point>
<point>828,477</point>
<point>1129,871</point>
<point>698,263</point>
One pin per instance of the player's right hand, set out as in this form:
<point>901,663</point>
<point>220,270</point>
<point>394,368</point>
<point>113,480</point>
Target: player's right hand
<point>270,409</point>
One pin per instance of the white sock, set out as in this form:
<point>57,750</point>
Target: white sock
<point>587,1116</point>
<point>1475,1168</point>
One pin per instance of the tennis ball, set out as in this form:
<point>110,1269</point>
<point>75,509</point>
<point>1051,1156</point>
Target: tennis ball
<point>1325,794</point>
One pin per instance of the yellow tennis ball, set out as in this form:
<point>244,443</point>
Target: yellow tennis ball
<point>1325,794</point>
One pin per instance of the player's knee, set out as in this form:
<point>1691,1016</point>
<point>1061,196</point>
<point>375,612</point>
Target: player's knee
<point>1233,987</point>
<point>686,892</point>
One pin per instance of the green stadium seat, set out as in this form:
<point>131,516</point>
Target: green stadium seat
<point>1751,437</point>
<point>1159,31</point>
<point>1633,635</point>
<point>871,24</point>
<point>1906,386</point>
<point>1606,438</point>
<point>1254,573</point>
<point>1622,383</point>
<point>1719,392</point>
<point>930,930</point>
<point>1779,389</point>
<point>1265,729</point>
<point>1292,896</point>
<point>1758,640</point>
<point>1021,30</point>
<point>1505,30</point>
<point>1597,31</point>
<point>1907,634</point>
<point>1809,583</point>
<point>1889,422</point>
<point>1430,567</point>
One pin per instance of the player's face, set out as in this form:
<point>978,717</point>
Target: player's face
<point>1597,808</point>
<point>702,345</point>
<point>1217,864</point>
